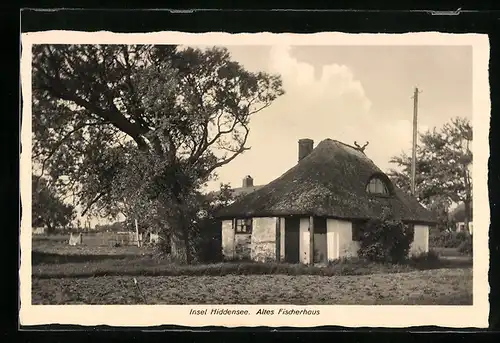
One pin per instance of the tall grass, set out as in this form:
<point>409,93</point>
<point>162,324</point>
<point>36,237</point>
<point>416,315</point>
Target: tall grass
<point>141,266</point>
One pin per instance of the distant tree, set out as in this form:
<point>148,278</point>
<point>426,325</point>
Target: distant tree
<point>47,209</point>
<point>139,129</point>
<point>443,173</point>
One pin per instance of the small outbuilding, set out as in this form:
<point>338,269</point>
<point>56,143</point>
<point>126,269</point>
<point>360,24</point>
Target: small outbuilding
<point>457,217</point>
<point>315,211</point>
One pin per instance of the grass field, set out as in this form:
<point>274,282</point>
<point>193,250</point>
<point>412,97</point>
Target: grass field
<point>63,274</point>
<point>431,287</point>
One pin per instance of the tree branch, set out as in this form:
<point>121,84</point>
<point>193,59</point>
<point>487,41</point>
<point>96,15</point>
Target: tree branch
<point>113,116</point>
<point>96,199</point>
<point>237,152</point>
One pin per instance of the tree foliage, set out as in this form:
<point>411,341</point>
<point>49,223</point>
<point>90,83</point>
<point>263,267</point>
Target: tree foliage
<point>139,129</point>
<point>48,210</point>
<point>443,173</point>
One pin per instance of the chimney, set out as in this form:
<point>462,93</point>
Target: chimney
<point>305,147</point>
<point>247,181</point>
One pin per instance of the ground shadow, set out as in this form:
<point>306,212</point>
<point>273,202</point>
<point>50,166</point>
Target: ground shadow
<point>38,257</point>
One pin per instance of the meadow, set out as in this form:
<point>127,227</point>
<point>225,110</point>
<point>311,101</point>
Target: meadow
<point>96,273</point>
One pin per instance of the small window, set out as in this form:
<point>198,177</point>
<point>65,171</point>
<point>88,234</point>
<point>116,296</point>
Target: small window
<point>377,186</point>
<point>243,225</point>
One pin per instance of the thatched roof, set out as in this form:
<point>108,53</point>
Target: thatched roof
<point>331,182</point>
<point>240,191</point>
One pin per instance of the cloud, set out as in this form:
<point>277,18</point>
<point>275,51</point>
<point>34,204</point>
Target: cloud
<point>329,104</point>
<point>321,106</point>
<point>335,85</point>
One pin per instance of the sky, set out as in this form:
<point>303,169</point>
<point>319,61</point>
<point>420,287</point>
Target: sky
<point>348,93</point>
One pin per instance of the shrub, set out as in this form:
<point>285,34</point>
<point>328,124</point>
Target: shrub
<point>385,240</point>
<point>207,244</point>
<point>446,239</point>
<point>425,260</point>
<point>466,246</point>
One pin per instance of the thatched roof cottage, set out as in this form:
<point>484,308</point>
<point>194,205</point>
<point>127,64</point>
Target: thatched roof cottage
<point>319,206</point>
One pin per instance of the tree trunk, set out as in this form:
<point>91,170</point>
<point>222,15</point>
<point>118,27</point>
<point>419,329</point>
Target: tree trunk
<point>467,215</point>
<point>50,228</point>
<point>468,199</point>
<point>178,247</point>
<point>179,241</point>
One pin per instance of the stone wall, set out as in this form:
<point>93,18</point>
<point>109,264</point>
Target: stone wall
<point>228,239</point>
<point>263,240</point>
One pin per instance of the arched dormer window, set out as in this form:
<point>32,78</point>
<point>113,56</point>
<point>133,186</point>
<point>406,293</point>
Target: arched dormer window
<point>377,186</point>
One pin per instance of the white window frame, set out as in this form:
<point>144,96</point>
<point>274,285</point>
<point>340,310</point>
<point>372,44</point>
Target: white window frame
<point>377,186</point>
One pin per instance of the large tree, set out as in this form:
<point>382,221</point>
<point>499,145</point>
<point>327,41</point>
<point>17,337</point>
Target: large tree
<point>443,167</point>
<point>48,210</point>
<point>138,129</point>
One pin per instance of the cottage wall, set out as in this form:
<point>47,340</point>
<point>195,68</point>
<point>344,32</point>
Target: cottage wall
<point>263,241</point>
<point>420,240</point>
<point>242,248</point>
<point>304,243</point>
<point>339,239</point>
<point>227,239</point>
<point>282,237</point>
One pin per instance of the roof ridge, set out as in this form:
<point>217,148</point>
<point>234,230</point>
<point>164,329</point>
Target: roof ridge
<point>340,142</point>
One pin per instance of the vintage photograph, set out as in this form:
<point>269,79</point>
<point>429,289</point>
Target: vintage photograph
<point>287,176</point>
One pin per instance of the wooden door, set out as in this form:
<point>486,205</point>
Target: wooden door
<point>292,239</point>
<point>320,246</point>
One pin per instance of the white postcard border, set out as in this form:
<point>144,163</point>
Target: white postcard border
<point>348,316</point>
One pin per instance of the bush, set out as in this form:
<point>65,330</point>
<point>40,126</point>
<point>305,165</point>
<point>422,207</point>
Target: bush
<point>385,240</point>
<point>446,239</point>
<point>425,260</point>
<point>466,246</point>
<point>207,245</point>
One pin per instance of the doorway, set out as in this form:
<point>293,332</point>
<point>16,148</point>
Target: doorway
<point>292,239</point>
<point>320,246</point>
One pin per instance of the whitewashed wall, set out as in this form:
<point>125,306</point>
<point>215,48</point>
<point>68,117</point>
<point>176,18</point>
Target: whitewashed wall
<point>263,241</point>
<point>282,238</point>
<point>227,239</point>
<point>242,247</point>
<point>339,239</point>
<point>304,243</point>
<point>420,240</point>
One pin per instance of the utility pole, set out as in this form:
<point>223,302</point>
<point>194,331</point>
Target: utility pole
<point>414,149</point>
<point>137,233</point>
